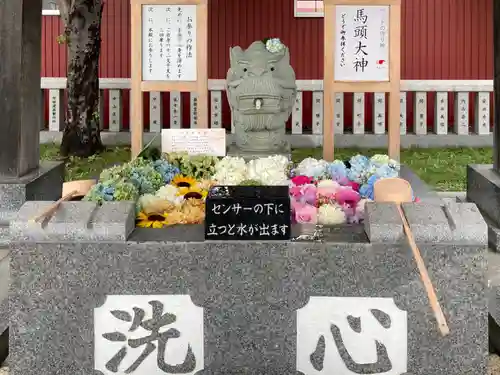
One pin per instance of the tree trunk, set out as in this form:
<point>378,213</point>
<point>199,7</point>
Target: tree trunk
<point>81,136</point>
<point>496,83</point>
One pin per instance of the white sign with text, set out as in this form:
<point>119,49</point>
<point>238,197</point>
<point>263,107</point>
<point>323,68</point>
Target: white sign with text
<point>362,43</point>
<point>169,42</point>
<point>210,142</point>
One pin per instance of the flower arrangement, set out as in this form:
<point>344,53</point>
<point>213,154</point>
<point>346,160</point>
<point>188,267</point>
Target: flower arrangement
<point>196,166</point>
<point>274,45</point>
<point>272,170</point>
<point>172,189</point>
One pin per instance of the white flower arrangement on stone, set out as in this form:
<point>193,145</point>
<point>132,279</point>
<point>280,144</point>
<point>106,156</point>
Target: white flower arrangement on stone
<point>230,171</point>
<point>270,171</point>
<point>274,45</point>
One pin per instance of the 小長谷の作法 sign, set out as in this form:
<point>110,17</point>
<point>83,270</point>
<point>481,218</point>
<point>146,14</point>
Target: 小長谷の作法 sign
<point>169,42</point>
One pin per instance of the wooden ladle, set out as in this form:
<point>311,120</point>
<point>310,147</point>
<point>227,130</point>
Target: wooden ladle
<point>397,190</point>
<point>70,190</point>
<point>53,208</point>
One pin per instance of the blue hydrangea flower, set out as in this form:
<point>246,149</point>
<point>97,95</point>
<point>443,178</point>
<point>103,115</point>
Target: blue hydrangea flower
<point>337,171</point>
<point>103,191</point>
<point>359,169</point>
<point>386,171</point>
<point>366,190</point>
<point>167,170</point>
<point>108,193</point>
<point>359,160</point>
<point>141,183</point>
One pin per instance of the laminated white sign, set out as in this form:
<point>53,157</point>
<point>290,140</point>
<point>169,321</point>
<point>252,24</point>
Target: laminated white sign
<point>169,42</point>
<point>210,142</point>
<point>362,43</point>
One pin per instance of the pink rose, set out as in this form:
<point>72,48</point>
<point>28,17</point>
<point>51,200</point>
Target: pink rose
<point>417,200</point>
<point>347,195</point>
<point>309,194</point>
<point>302,180</point>
<point>296,191</point>
<point>306,214</point>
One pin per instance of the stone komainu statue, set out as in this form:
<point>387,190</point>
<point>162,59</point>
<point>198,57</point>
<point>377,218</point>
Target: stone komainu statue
<point>261,90</point>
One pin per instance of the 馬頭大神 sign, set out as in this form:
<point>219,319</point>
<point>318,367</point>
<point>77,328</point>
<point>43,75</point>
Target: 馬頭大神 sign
<point>362,43</point>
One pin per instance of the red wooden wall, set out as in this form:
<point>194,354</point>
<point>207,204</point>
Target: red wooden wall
<point>442,39</point>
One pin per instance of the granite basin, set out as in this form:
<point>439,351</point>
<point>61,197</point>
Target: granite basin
<point>350,299</point>
<point>346,299</point>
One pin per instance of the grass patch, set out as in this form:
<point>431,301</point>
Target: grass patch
<point>443,169</point>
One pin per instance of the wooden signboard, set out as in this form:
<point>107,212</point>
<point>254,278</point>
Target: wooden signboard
<point>169,53</point>
<point>362,41</point>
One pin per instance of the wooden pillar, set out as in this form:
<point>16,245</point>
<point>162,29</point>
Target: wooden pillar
<point>151,14</point>
<point>20,67</point>
<point>347,32</point>
<point>496,83</point>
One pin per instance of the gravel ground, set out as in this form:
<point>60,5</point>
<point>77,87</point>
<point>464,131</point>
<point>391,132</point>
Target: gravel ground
<point>494,368</point>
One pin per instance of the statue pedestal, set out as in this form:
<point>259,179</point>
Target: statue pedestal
<point>235,151</point>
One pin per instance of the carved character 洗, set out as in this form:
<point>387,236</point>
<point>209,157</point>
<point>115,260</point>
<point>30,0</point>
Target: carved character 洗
<point>159,321</point>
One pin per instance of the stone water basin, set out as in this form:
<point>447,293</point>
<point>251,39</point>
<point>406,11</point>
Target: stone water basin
<point>350,297</point>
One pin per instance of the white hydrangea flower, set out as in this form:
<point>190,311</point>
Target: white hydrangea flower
<point>169,193</point>
<point>230,178</point>
<point>229,163</point>
<point>312,167</point>
<point>272,170</point>
<point>146,200</point>
<point>274,45</point>
<point>230,170</point>
<point>331,214</point>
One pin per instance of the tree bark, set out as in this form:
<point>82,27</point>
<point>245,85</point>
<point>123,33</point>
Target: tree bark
<point>81,136</point>
<point>496,83</point>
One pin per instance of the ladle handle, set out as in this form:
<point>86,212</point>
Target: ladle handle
<point>436,307</point>
<point>53,208</point>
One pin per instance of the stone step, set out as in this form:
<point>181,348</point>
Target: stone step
<point>493,229</point>
<point>493,233</point>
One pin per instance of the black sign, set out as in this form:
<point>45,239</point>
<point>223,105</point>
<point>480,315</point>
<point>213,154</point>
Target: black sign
<point>248,213</point>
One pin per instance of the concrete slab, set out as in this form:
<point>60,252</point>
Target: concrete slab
<point>420,188</point>
<point>258,305</point>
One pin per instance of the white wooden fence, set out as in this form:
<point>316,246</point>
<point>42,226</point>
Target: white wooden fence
<point>462,93</point>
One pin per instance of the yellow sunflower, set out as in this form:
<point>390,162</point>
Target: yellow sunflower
<point>151,220</point>
<point>183,182</point>
<point>193,193</point>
